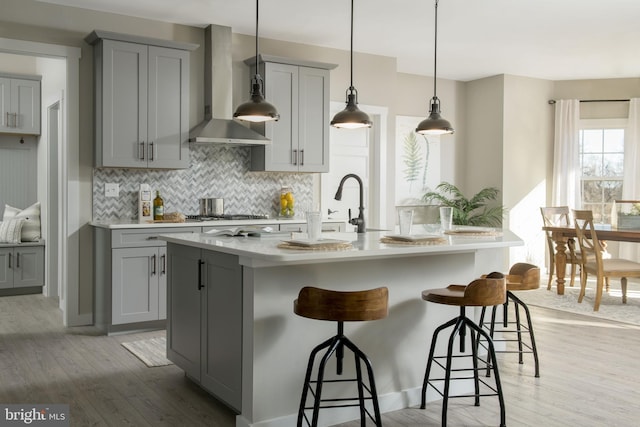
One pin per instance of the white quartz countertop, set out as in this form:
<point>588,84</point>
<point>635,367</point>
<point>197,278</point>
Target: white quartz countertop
<point>264,251</point>
<point>217,223</point>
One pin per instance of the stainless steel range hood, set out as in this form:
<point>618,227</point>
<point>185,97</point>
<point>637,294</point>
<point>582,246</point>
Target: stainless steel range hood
<point>218,127</point>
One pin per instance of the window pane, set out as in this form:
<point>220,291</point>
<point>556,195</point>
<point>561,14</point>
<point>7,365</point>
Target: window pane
<point>597,210</point>
<point>612,164</point>
<point>614,140</point>
<point>591,191</point>
<point>592,140</point>
<point>592,165</point>
<point>612,190</point>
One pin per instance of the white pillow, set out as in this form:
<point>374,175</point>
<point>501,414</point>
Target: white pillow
<point>31,215</point>
<point>10,230</point>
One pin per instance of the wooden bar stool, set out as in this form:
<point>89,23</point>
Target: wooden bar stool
<point>521,277</point>
<point>340,306</point>
<point>487,291</point>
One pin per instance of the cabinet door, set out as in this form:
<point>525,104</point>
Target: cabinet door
<point>281,90</point>
<point>28,266</point>
<point>5,104</point>
<point>222,342</point>
<point>124,104</point>
<point>168,145</point>
<point>6,268</point>
<point>25,104</point>
<point>183,316</point>
<point>313,113</point>
<point>135,285</point>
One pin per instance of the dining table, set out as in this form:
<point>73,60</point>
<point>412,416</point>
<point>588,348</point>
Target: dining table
<point>561,236</point>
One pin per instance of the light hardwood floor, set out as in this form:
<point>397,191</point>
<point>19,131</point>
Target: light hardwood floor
<point>590,371</point>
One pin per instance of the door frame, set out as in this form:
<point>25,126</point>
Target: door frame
<point>69,166</point>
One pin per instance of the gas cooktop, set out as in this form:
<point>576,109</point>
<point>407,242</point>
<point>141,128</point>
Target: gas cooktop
<point>233,217</point>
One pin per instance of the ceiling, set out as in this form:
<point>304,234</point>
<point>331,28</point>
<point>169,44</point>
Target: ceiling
<point>548,39</point>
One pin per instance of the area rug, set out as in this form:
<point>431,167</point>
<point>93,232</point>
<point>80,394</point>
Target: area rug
<point>611,306</point>
<point>152,351</point>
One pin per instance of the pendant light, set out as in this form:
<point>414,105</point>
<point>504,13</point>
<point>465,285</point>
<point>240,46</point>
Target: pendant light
<point>435,124</point>
<point>351,117</point>
<point>256,109</point>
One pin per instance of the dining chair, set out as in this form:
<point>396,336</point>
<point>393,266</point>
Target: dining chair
<point>558,216</point>
<point>593,261</point>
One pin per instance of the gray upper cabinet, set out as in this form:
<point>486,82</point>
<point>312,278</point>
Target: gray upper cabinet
<point>20,104</point>
<point>142,102</point>
<point>300,139</point>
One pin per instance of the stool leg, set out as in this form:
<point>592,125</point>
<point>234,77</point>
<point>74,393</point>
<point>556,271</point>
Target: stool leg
<point>474,355</point>
<point>518,327</point>
<point>534,348</point>
<point>496,374</point>
<point>432,348</point>
<point>331,344</point>
<point>361,357</point>
<point>447,375</point>
<point>492,329</point>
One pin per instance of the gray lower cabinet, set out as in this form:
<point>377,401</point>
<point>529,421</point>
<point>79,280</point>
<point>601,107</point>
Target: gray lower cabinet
<point>21,266</point>
<point>204,320</point>
<point>131,278</point>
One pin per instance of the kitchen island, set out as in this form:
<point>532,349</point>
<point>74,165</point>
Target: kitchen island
<point>231,325</point>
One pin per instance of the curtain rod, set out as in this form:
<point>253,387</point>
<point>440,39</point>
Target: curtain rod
<point>553,101</point>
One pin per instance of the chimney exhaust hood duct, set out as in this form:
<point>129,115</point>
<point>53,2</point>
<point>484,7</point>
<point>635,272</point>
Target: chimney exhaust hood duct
<point>218,127</point>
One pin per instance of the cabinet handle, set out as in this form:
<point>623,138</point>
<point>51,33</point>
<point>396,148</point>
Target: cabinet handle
<point>295,157</point>
<point>141,151</point>
<point>200,264</point>
<point>9,260</point>
<point>18,260</point>
<point>8,123</point>
<point>301,157</point>
<point>153,265</point>
<point>164,264</point>
<point>151,151</point>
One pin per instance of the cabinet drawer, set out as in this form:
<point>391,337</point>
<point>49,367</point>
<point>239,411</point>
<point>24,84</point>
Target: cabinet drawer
<point>140,237</point>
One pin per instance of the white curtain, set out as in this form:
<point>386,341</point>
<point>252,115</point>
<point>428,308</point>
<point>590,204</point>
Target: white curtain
<point>566,163</point>
<point>631,179</point>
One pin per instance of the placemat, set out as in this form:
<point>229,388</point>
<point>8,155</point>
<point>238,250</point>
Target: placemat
<point>317,247</point>
<point>420,242</point>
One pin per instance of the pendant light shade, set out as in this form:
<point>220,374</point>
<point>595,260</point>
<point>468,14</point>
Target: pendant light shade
<point>256,109</point>
<point>435,124</point>
<point>351,117</point>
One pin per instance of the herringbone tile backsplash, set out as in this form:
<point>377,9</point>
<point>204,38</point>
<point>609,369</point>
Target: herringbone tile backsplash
<point>215,171</point>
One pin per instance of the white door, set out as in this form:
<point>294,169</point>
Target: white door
<point>358,151</point>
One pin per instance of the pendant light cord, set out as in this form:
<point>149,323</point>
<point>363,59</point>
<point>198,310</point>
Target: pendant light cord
<point>257,8</point>
<point>435,52</point>
<point>351,82</point>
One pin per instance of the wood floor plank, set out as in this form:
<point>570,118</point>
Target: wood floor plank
<point>589,375</point>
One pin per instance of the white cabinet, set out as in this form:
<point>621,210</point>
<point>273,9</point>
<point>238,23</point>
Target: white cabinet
<point>131,277</point>
<point>20,104</point>
<point>142,102</point>
<point>204,321</point>
<point>21,266</point>
<point>300,139</point>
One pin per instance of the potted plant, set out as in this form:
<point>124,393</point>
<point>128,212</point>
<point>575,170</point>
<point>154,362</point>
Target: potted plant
<point>473,211</point>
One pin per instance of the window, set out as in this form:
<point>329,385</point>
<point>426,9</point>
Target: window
<point>601,165</point>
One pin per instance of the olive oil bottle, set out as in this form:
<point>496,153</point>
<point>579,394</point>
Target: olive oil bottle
<point>158,207</point>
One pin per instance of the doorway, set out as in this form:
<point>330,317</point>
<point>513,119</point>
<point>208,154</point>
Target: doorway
<point>363,152</point>
<point>67,164</point>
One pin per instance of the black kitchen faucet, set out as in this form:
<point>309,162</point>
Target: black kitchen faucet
<point>359,222</point>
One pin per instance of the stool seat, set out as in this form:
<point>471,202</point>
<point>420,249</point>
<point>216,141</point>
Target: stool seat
<point>342,306</point>
<point>523,277</point>
<point>479,293</point>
